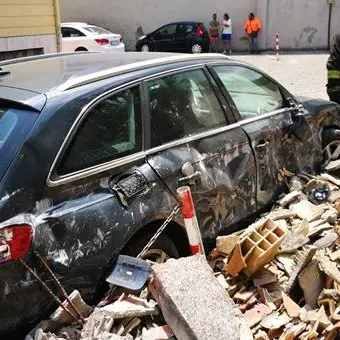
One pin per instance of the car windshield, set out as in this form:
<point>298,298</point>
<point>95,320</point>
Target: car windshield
<point>14,127</point>
<point>97,30</point>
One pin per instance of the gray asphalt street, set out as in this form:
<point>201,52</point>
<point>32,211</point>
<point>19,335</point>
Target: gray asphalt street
<point>301,74</point>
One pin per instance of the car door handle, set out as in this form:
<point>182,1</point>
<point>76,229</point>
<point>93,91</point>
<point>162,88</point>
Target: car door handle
<point>190,175</point>
<point>262,145</point>
<point>190,179</point>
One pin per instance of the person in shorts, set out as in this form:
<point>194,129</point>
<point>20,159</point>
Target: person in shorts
<point>214,27</point>
<point>252,28</point>
<point>226,33</point>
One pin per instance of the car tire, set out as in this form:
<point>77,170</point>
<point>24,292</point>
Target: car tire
<point>196,48</point>
<point>81,49</point>
<point>145,48</point>
<point>331,145</point>
<point>163,248</point>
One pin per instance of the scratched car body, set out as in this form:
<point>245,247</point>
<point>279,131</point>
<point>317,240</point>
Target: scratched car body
<point>92,148</point>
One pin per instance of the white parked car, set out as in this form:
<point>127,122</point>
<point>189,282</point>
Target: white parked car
<point>80,36</point>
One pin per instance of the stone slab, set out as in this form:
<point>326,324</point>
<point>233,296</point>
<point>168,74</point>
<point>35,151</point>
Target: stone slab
<point>194,304</point>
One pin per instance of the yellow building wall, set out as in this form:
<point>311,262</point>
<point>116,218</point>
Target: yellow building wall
<point>27,17</point>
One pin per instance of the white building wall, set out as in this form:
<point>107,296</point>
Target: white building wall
<point>302,24</point>
<point>126,17</point>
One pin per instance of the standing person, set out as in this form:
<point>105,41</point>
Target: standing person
<point>333,71</point>
<point>214,27</point>
<point>226,33</point>
<point>252,28</point>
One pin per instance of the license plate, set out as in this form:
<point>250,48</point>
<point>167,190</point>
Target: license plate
<point>114,42</point>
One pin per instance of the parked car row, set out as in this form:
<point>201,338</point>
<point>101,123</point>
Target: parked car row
<point>190,37</point>
<point>92,149</point>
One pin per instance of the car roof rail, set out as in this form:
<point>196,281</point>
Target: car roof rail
<point>74,23</point>
<point>118,70</point>
<point>40,56</point>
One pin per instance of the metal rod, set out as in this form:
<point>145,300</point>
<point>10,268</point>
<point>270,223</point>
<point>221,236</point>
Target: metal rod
<point>48,290</point>
<point>57,282</point>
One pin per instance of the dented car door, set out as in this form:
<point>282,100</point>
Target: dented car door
<point>264,115</point>
<point>101,190</point>
<point>188,127</point>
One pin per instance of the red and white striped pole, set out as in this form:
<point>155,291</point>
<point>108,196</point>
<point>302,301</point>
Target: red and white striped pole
<point>277,46</point>
<point>190,220</point>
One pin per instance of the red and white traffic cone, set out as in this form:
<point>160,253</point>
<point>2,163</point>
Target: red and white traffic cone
<point>190,220</point>
<point>277,43</point>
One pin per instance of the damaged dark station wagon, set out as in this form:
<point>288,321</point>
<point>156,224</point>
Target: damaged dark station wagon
<point>92,148</point>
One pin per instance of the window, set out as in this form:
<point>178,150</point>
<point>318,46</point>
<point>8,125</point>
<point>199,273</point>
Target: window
<point>69,32</point>
<point>184,29</point>
<point>181,105</point>
<point>15,124</point>
<point>8,122</point>
<point>96,30</point>
<point>111,130</point>
<point>167,30</point>
<point>252,93</point>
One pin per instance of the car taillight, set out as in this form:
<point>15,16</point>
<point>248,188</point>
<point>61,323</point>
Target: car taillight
<point>199,31</point>
<point>121,40</point>
<point>15,242</point>
<point>102,41</point>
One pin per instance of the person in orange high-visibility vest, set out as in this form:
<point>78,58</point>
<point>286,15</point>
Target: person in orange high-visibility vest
<point>252,28</point>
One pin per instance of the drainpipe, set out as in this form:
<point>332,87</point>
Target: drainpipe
<point>329,24</point>
<point>57,24</point>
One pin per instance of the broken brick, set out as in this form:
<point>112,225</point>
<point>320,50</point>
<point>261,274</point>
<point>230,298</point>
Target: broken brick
<point>256,314</point>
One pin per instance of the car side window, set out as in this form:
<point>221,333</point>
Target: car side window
<point>181,105</point>
<point>110,130</point>
<point>253,93</point>
<point>69,32</point>
<point>184,29</point>
<point>167,30</point>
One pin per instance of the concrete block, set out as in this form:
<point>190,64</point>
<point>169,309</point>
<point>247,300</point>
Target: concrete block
<point>60,316</point>
<point>225,244</point>
<point>305,257</point>
<point>111,336</point>
<point>311,281</point>
<point>194,304</point>
<point>291,197</point>
<point>327,266</point>
<point>326,241</point>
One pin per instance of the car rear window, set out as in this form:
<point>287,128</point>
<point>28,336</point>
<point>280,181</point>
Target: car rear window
<point>97,30</point>
<point>14,127</point>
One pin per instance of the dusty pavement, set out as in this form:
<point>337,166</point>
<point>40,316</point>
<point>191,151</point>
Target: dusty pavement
<point>302,74</point>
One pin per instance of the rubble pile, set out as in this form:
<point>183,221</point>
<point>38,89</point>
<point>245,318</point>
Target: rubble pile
<point>283,271</point>
<point>129,317</point>
<point>282,276</point>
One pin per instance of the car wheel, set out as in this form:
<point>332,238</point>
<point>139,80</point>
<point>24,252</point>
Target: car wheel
<point>196,49</point>
<point>331,146</point>
<point>81,49</point>
<point>145,48</point>
<point>163,248</point>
